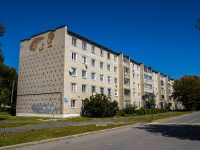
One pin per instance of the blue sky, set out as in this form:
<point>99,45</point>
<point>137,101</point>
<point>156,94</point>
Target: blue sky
<point>159,33</point>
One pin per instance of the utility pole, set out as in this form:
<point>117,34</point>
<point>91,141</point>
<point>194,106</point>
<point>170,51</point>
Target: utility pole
<point>12,92</point>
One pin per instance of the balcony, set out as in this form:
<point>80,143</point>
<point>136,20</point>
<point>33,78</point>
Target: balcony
<point>127,97</point>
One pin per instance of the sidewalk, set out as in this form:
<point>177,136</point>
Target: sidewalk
<point>56,124</point>
<point>53,124</point>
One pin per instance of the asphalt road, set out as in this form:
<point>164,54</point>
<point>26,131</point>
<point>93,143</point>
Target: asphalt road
<point>170,134</point>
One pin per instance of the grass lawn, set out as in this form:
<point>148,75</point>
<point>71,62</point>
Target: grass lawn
<point>43,134</point>
<point>150,118</point>
<point>18,124</point>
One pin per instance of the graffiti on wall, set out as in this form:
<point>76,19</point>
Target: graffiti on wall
<point>45,108</point>
<point>39,42</point>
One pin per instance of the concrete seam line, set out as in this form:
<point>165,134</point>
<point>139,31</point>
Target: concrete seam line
<point>60,138</point>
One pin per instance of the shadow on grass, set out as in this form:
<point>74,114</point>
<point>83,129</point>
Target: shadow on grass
<point>182,132</point>
<point>2,119</point>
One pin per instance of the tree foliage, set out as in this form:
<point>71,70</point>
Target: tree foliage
<point>198,24</point>
<point>7,76</point>
<point>99,106</point>
<point>187,91</point>
<point>2,29</point>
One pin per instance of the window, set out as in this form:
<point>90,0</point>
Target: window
<point>126,92</point>
<point>115,69</point>
<point>109,79</point>
<point>108,67</point>
<point>101,90</point>
<point>116,81</point>
<point>84,59</point>
<point>74,41</point>
<point>134,94</point>
<point>93,49</point>
<point>109,91</point>
<point>93,89</point>
<point>133,75</point>
<point>138,95</point>
<point>84,74</point>
<point>126,60</point>
<point>74,72</point>
<point>73,56</point>
<point>138,77</point>
<point>147,69</point>
<point>115,58</point>
<point>126,81</point>
<point>84,45</point>
<point>101,52</point>
<point>108,55</point>
<point>73,87</point>
<point>102,78</point>
<point>126,70</point>
<point>116,92</point>
<point>134,85</point>
<point>83,88</point>
<point>93,75</point>
<point>101,65</point>
<point>133,66</point>
<point>73,103</point>
<point>138,86</point>
<point>93,62</point>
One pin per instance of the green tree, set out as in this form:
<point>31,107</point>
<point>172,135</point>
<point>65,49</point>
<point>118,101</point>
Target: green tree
<point>99,106</point>
<point>187,91</point>
<point>198,24</point>
<point>7,76</point>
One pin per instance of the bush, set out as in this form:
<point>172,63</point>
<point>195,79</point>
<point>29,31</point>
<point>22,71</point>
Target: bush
<point>99,106</point>
<point>141,111</point>
<point>130,109</point>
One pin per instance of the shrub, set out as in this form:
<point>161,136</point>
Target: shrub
<point>99,106</point>
<point>130,109</point>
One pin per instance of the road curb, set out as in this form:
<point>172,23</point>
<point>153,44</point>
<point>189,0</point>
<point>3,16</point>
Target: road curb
<point>64,137</point>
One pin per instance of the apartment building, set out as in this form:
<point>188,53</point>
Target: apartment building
<point>58,69</point>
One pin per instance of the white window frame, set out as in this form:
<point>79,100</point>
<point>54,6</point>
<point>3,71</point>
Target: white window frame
<point>93,87</point>
<point>101,78</point>
<point>84,88</point>
<point>74,56</point>
<point>93,62</point>
<point>103,90</point>
<point>84,45</point>
<point>101,52</point>
<point>115,58</point>
<point>74,72</point>
<point>109,91</point>
<point>93,49</point>
<point>108,67</point>
<point>101,65</point>
<point>109,79</point>
<point>116,92</point>
<point>108,55</point>
<point>74,41</point>
<point>84,77</point>
<point>116,80</point>
<point>84,59</point>
<point>73,87</point>
<point>93,73</point>
<point>73,103</point>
